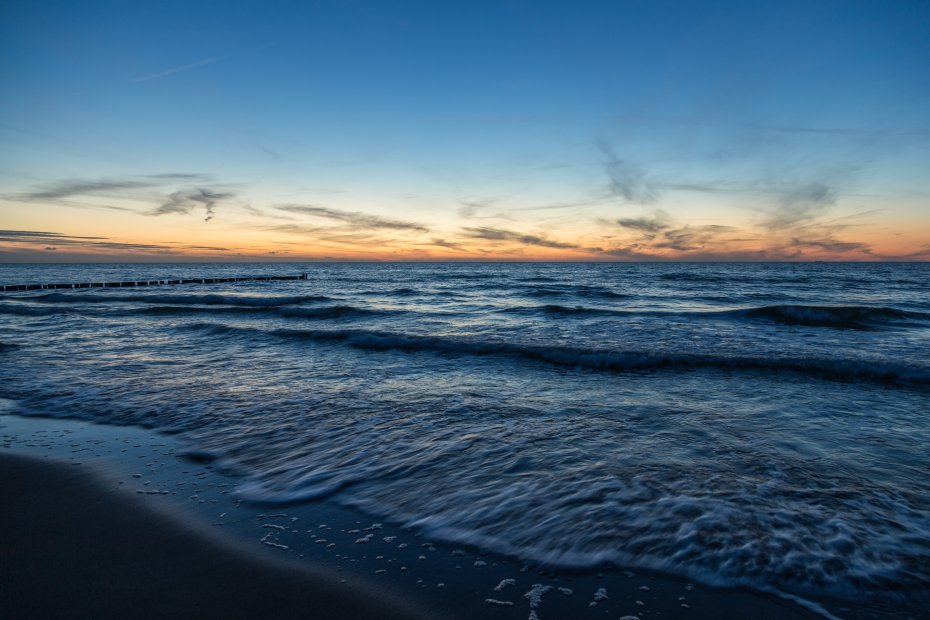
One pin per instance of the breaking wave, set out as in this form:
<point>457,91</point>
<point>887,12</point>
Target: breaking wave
<point>593,359</point>
<point>849,317</point>
<point>317,312</point>
<point>575,291</point>
<point>842,317</point>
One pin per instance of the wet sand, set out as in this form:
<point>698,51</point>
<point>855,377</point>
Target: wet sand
<point>116,521</point>
<point>76,545</point>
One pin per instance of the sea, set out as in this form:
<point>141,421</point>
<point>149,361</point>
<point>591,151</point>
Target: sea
<point>744,424</point>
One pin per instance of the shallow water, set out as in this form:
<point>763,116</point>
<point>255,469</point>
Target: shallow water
<point>755,424</point>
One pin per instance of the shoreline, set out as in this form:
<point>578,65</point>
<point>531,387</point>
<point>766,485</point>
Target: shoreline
<point>327,543</point>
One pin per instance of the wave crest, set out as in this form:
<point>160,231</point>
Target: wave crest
<point>594,359</point>
<point>316,312</point>
<point>592,292</point>
<point>850,317</point>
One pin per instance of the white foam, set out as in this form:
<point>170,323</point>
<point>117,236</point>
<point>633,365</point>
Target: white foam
<point>504,583</point>
<point>534,596</point>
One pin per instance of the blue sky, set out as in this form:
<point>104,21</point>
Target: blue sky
<point>706,113</point>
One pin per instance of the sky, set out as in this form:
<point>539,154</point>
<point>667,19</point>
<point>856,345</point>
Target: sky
<point>466,131</point>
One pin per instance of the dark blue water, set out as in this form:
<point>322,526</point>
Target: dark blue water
<point>756,424</point>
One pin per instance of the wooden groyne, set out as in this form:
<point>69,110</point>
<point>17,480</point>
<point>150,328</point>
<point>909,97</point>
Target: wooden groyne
<point>37,287</point>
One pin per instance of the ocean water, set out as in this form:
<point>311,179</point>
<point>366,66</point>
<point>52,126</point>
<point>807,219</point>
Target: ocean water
<point>762,425</point>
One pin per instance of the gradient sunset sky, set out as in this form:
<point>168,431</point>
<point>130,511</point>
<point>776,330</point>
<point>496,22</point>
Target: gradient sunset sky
<point>510,130</point>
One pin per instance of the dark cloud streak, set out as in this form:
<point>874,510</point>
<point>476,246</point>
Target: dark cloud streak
<point>185,201</point>
<point>145,188</point>
<point>449,244</point>
<point>499,234</point>
<point>67,189</point>
<point>831,245</point>
<point>648,226</point>
<point>41,238</point>
<point>354,218</point>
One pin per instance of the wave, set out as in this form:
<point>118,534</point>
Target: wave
<point>23,310</point>
<point>205,300</point>
<point>684,276</point>
<point>848,317</point>
<point>574,291</point>
<point>840,317</point>
<point>318,312</point>
<point>333,312</point>
<point>596,359</point>
<point>412,292</point>
<point>466,276</point>
<point>404,291</point>
<point>567,311</point>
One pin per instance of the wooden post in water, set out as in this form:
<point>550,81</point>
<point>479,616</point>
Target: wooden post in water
<point>34,287</point>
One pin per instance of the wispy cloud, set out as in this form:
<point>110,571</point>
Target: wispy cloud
<point>689,238</point>
<point>94,187</point>
<point>186,200</point>
<point>354,218</point>
<point>631,251</point>
<point>150,188</point>
<point>470,208</point>
<point>458,247</point>
<point>499,234</point>
<point>253,210</point>
<point>33,237</point>
<point>800,205</point>
<point>180,176</point>
<point>660,232</point>
<point>796,222</point>
<point>829,244</point>
<point>627,180</point>
<point>331,234</point>
<point>192,65</point>
<point>28,236</point>
<point>570,204</point>
<point>649,226</point>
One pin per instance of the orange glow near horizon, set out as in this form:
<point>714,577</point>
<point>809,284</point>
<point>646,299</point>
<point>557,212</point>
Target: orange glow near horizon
<point>119,230</point>
<point>194,217</point>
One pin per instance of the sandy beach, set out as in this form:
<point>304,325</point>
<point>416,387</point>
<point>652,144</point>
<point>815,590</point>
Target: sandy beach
<point>76,545</point>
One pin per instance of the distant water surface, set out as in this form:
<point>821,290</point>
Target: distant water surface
<point>763,425</point>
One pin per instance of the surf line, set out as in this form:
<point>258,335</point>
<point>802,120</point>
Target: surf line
<point>35,287</point>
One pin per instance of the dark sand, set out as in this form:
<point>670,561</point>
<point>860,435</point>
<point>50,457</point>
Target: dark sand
<point>193,548</point>
<point>75,545</point>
